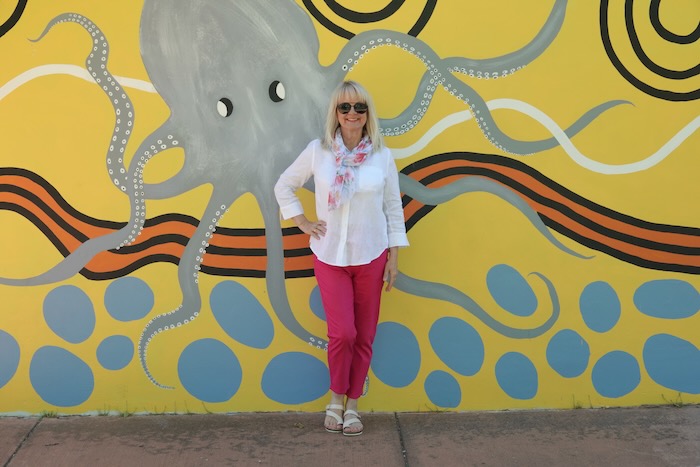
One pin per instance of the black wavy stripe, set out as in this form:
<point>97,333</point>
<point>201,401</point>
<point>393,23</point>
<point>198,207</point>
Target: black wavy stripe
<point>588,242</point>
<point>78,235</point>
<point>31,217</point>
<point>633,80</point>
<point>644,58</point>
<point>209,270</point>
<point>226,251</point>
<point>65,252</point>
<point>59,199</point>
<point>519,188</point>
<point>358,17</point>
<point>665,33</point>
<point>626,257</point>
<point>230,272</point>
<point>299,274</point>
<point>565,192</point>
<point>14,17</point>
<point>128,269</point>
<point>172,217</point>
<point>151,242</point>
<point>325,22</point>
<point>141,246</point>
<point>113,225</point>
<point>424,18</point>
<point>565,210</point>
<point>253,273</point>
<point>418,215</point>
<point>297,252</point>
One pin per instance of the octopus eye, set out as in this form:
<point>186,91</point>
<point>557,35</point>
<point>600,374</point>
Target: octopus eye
<point>224,107</point>
<point>277,92</point>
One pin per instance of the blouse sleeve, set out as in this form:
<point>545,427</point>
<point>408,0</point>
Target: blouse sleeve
<point>393,210</point>
<point>291,180</point>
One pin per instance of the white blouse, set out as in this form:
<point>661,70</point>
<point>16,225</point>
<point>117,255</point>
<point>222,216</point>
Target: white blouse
<point>359,230</point>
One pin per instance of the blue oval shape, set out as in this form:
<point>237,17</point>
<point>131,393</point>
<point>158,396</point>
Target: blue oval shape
<point>511,291</point>
<point>667,298</point>
<point>69,313</point>
<point>396,358</point>
<point>209,370</point>
<point>673,363</point>
<point>129,299</point>
<point>517,376</point>
<point>616,374</point>
<point>295,378</point>
<point>241,315</point>
<point>9,357</point>
<point>568,353</point>
<point>60,378</point>
<point>316,303</point>
<point>458,345</point>
<point>600,306</point>
<point>443,389</point>
<point>115,352</point>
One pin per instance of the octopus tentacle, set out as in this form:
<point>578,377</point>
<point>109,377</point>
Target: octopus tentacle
<point>160,140</point>
<point>510,63</point>
<point>481,68</point>
<point>274,276</point>
<point>405,121</point>
<point>131,184</point>
<point>440,75</point>
<point>174,186</point>
<point>537,146</point>
<point>74,262</point>
<point>450,294</point>
<point>96,64</point>
<point>78,259</point>
<point>163,138</point>
<point>435,196</point>
<point>188,278</point>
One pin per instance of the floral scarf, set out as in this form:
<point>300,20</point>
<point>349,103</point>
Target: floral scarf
<point>346,163</point>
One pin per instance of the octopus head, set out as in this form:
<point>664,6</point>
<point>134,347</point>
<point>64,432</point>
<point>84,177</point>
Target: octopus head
<point>242,80</point>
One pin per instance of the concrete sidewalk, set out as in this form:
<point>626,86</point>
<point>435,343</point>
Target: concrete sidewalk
<point>654,436</point>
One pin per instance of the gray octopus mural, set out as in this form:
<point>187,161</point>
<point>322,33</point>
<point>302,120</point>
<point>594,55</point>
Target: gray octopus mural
<point>246,93</point>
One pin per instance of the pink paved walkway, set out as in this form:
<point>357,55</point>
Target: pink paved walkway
<point>658,436</point>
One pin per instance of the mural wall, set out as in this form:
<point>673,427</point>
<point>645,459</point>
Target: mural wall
<point>548,164</point>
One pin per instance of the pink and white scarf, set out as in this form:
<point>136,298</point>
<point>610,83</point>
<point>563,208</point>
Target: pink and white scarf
<point>346,164</point>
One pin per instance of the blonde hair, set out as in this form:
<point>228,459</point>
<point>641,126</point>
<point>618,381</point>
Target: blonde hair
<point>354,92</point>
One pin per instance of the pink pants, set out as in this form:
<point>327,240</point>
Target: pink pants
<point>351,297</point>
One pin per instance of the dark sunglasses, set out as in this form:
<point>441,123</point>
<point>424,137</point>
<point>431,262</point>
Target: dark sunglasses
<point>345,107</point>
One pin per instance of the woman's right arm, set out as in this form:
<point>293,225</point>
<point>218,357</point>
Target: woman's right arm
<point>289,182</point>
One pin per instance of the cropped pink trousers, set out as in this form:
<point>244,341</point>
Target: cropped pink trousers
<point>351,296</point>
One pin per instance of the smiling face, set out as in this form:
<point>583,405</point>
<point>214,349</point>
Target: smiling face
<point>351,122</point>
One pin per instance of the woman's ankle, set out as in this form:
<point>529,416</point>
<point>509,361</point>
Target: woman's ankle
<point>351,404</point>
<point>337,399</point>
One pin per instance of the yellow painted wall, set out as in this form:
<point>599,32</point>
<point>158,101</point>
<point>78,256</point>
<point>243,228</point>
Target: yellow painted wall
<point>58,127</point>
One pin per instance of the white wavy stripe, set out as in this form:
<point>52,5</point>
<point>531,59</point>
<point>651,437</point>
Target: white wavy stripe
<point>586,162</point>
<point>72,70</point>
<point>432,133</point>
<point>559,135</point>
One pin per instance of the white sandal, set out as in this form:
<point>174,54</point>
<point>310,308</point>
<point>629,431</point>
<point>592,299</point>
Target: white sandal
<point>353,418</point>
<point>335,416</point>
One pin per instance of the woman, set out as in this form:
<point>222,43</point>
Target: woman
<point>355,240</point>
